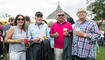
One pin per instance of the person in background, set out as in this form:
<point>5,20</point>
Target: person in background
<point>85,35</point>
<point>15,36</point>
<point>101,41</point>
<point>57,33</point>
<point>36,32</point>
<point>51,39</point>
<point>70,20</point>
<point>45,21</point>
<point>27,23</point>
<point>7,27</point>
<point>28,50</point>
<point>1,43</point>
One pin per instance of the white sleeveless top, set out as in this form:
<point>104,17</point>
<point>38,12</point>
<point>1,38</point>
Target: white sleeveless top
<point>16,35</point>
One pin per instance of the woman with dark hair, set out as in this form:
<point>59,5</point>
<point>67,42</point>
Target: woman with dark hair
<point>15,37</point>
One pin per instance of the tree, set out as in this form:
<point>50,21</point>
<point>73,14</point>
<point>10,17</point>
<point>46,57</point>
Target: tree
<point>96,9</point>
<point>4,15</point>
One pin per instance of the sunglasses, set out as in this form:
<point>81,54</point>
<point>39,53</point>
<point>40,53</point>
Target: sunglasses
<point>61,15</point>
<point>20,19</point>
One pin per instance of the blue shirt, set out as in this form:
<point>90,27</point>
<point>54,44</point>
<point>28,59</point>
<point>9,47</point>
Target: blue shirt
<point>35,31</point>
<point>7,26</point>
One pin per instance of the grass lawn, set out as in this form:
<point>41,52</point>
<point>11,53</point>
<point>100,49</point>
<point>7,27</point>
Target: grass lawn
<point>100,54</point>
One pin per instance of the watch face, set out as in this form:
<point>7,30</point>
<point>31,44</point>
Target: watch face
<point>84,35</point>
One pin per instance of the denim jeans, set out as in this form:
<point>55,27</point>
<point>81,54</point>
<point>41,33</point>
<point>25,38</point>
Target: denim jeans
<point>35,50</point>
<point>28,54</point>
<point>101,41</point>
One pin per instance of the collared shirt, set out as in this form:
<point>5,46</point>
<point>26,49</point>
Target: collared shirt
<point>57,27</point>
<point>35,31</point>
<point>85,47</point>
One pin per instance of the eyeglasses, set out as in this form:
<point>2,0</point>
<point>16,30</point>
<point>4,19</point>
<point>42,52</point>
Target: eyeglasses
<point>61,15</point>
<point>20,19</point>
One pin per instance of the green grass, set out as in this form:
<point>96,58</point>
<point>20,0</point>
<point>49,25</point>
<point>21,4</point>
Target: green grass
<point>100,54</point>
<point>4,57</point>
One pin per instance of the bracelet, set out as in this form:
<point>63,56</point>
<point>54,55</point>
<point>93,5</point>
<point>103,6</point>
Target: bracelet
<point>84,35</point>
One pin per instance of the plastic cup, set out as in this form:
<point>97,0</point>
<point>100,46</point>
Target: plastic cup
<point>64,29</point>
<point>44,37</point>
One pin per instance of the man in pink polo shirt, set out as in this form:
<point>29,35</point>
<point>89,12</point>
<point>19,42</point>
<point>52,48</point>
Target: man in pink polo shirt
<point>57,32</point>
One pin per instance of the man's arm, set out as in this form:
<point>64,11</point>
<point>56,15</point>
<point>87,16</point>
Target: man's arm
<point>93,35</point>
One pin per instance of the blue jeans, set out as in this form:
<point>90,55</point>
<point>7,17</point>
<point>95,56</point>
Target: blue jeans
<point>35,51</point>
<point>28,54</point>
<point>101,41</point>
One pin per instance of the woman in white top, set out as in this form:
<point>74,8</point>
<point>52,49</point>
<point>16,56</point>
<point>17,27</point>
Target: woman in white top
<point>15,37</point>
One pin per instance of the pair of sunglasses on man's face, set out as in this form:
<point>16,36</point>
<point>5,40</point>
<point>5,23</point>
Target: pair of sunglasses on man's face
<point>61,15</point>
<point>20,19</point>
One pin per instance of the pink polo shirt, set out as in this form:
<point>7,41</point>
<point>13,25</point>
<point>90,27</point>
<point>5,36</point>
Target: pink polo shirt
<point>57,27</point>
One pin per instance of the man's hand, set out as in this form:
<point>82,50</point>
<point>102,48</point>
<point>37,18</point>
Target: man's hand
<point>55,35</point>
<point>80,33</point>
<point>37,39</point>
<point>65,33</point>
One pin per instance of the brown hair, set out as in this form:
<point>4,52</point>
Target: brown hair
<point>15,22</point>
<point>39,14</point>
<point>27,18</point>
<point>10,19</point>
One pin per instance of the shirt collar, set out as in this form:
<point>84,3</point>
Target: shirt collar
<point>41,23</point>
<point>63,22</point>
<point>83,21</point>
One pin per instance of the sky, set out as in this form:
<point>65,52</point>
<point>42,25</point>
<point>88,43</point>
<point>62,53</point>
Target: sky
<point>29,7</point>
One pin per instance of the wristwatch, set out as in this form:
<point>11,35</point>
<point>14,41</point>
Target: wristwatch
<point>84,35</point>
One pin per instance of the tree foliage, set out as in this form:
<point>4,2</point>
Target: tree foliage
<point>97,9</point>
